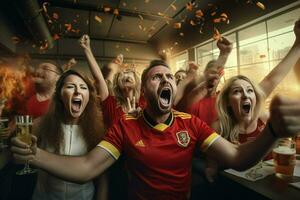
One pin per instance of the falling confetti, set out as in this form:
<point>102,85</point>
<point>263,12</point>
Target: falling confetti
<point>45,5</point>
<point>213,13</point>
<point>147,1</point>
<point>181,34</point>
<point>15,40</point>
<point>127,49</point>
<point>260,5</point>
<point>55,16</point>
<point>199,14</point>
<point>68,27</point>
<point>189,6</point>
<point>44,46</point>
<point>124,4</point>
<point>117,46</point>
<point>160,14</point>
<point>141,17</point>
<point>173,7</point>
<point>177,25</point>
<point>98,19</point>
<point>56,36</point>
<point>175,43</point>
<point>116,12</point>
<point>192,22</point>
<point>217,35</point>
<point>106,9</point>
<point>217,20</point>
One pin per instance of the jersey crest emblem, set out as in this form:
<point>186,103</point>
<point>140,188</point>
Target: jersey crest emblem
<point>183,138</point>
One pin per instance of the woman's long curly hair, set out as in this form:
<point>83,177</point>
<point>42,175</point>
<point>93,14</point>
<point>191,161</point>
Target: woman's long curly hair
<point>229,128</point>
<point>49,128</point>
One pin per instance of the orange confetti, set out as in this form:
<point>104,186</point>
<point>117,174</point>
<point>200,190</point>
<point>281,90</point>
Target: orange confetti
<point>177,25</point>
<point>55,16</point>
<point>173,7</point>
<point>217,35</point>
<point>189,6</point>
<point>45,4</point>
<point>141,26</point>
<point>116,12</point>
<point>44,46</point>
<point>98,19</point>
<point>260,5</point>
<point>15,40</point>
<point>224,15</point>
<point>181,34</point>
<point>199,14</point>
<point>193,23</point>
<point>56,36</point>
<point>141,17</point>
<point>160,14</point>
<point>217,20</point>
<point>68,27</point>
<point>152,28</point>
<point>106,9</point>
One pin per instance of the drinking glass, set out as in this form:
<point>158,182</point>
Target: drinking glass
<point>284,154</point>
<point>3,125</point>
<point>23,132</point>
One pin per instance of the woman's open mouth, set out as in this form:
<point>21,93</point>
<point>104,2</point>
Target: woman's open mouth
<point>76,105</point>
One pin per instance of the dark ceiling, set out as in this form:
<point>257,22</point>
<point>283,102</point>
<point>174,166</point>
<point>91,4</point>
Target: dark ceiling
<point>117,23</point>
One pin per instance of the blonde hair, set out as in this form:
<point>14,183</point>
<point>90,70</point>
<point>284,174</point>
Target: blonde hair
<point>118,91</point>
<point>228,124</point>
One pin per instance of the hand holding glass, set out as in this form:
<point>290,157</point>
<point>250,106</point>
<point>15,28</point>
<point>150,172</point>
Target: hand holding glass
<point>23,132</point>
<point>3,125</point>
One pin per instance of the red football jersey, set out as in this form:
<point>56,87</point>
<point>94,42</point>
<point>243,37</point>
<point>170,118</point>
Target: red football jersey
<point>205,109</point>
<point>112,112</point>
<point>36,108</point>
<point>158,158</point>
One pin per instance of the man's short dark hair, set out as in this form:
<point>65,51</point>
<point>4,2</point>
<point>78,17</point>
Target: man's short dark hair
<point>152,64</point>
<point>210,64</point>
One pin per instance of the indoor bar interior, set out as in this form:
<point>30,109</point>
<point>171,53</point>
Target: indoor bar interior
<point>149,99</point>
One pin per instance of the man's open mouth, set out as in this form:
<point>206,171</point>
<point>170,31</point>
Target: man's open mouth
<point>165,97</point>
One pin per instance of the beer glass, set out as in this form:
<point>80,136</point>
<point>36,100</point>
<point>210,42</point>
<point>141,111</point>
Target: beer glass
<point>3,125</point>
<point>23,132</point>
<point>284,155</point>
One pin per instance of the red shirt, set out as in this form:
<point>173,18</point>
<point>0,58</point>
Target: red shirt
<point>247,137</point>
<point>36,108</point>
<point>159,158</point>
<point>205,109</point>
<point>112,112</point>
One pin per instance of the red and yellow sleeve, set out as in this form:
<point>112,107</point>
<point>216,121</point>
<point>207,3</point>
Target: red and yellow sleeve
<point>110,148</point>
<point>113,141</point>
<point>205,134</point>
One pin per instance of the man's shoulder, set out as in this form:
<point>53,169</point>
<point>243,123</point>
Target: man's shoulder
<point>181,115</point>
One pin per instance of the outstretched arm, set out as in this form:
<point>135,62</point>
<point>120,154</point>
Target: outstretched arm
<point>100,83</point>
<point>72,168</point>
<point>281,70</point>
<point>285,122</point>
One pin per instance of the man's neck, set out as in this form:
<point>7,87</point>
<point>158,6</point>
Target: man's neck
<point>158,118</point>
